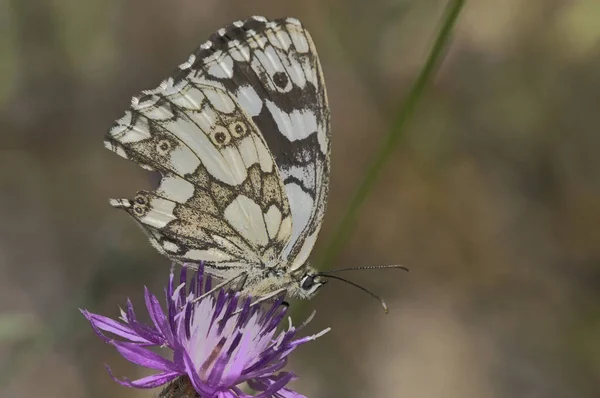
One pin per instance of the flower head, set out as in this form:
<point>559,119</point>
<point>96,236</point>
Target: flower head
<point>218,341</point>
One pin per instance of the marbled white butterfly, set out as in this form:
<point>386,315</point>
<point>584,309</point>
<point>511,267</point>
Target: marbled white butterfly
<point>240,134</point>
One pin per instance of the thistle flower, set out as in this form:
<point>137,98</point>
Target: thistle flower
<point>218,341</point>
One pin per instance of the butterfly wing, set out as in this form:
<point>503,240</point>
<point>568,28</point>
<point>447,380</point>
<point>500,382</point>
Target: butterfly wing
<point>273,70</point>
<point>221,199</point>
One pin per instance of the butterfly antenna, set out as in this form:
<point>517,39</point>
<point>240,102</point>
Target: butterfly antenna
<point>402,267</point>
<point>383,304</point>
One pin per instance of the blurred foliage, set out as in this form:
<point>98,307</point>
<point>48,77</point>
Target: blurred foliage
<point>492,198</point>
<point>16,326</point>
<point>389,142</point>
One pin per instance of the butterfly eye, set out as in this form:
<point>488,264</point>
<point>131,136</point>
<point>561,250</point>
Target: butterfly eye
<point>238,129</point>
<point>141,200</point>
<point>220,137</point>
<point>163,147</point>
<point>139,210</point>
<point>308,282</point>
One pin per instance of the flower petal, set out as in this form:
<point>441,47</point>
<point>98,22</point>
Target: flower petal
<point>271,386</point>
<point>266,317</point>
<point>227,394</point>
<point>244,314</point>
<point>287,393</point>
<point>306,339</point>
<point>144,357</point>
<point>145,331</point>
<point>275,319</point>
<point>148,381</point>
<point>229,309</point>
<point>182,283</point>
<point>120,329</point>
<point>207,283</point>
<point>240,393</point>
<point>158,316</point>
<point>187,320</point>
<point>216,375</point>
<point>172,311</point>
<point>236,359</point>
<point>265,370</point>
<point>218,307</point>
<point>200,387</point>
<point>171,284</point>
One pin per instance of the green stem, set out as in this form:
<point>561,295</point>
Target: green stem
<point>344,228</point>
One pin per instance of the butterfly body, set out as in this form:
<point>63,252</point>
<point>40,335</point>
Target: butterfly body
<point>240,135</point>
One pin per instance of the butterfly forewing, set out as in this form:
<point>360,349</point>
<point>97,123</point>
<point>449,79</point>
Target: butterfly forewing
<point>273,69</point>
<point>240,135</point>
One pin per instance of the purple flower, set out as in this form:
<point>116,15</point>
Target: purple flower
<point>218,341</point>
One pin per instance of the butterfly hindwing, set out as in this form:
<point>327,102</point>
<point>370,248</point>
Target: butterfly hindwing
<point>221,198</point>
<point>273,70</point>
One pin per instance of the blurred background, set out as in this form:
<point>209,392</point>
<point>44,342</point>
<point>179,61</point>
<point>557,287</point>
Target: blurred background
<point>492,197</point>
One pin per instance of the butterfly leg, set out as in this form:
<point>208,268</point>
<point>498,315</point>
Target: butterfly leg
<point>264,298</point>
<point>220,285</point>
<point>239,286</point>
<point>269,296</point>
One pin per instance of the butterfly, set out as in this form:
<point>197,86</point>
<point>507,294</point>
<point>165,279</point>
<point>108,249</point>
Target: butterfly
<point>240,135</point>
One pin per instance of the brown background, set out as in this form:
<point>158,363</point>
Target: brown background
<point>492,196</point>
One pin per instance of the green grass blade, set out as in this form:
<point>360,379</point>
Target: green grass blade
<point>344,228</point>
